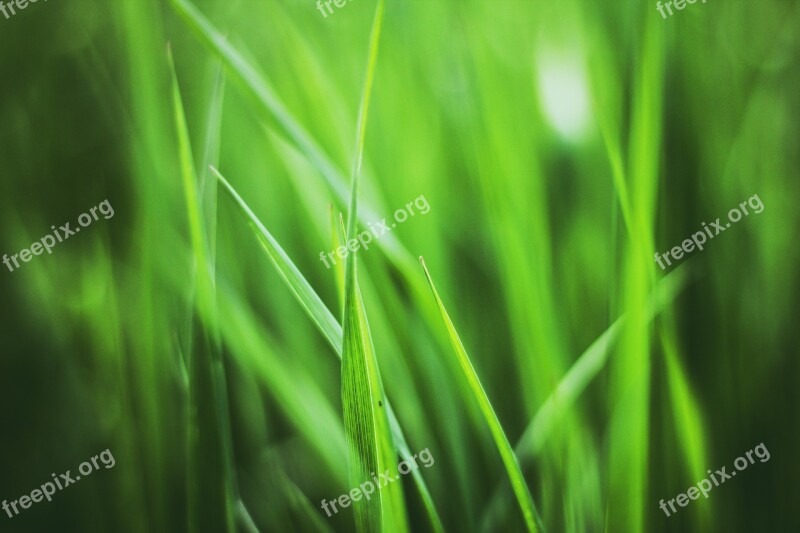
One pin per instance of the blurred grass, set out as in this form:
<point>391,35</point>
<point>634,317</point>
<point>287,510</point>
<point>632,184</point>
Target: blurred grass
<point>559,146</point>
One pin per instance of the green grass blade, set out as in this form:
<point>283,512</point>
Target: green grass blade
<point>366,423</point>
<point>211,149</point>
<point>367,427</point>
<point>244,519</point>
<point>302,290</point>
<point>339,237</point>
<point>506,453</point>
<point>399,439</point>
<point>299,502</point>
<point>629,393</point>
<point>207,190</point>
<point>688,417</point>
<point>205,283</point>
<point>405,454</point>
<point>358,160</point>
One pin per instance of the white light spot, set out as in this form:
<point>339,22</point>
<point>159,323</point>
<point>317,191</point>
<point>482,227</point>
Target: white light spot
<point>563,93</point>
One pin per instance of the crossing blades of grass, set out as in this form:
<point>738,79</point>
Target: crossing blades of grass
<point>506,453</point>
<point>269,104</point>
<point>327,325</point>
<point>302,291</point>
<point>587,366</point>
<point>574,383</point>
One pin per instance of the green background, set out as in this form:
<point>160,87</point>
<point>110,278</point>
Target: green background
<point>559,145</point>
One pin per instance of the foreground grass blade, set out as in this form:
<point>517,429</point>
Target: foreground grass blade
<point>366,424</point>
<point>399,439</point>
<point>506,453</point>
<point>211,484</point>
<point>367,428</point>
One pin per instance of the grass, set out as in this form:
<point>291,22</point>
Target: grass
<point>239,382</point>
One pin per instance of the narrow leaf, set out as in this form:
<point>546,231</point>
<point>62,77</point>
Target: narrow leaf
<point>501,441</point>
<point>339,239</point>
<point>305,295</point>
<point>369,436</point>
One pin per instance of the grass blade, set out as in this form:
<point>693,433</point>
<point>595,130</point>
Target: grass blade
<point>305,295</point>
<point>366,423</point>
<point>628,437</point>
<point>397,433</point>
<point>339,239</point>
<point>687,415</point>
<point>506,453</point>
<point>211,149</point>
